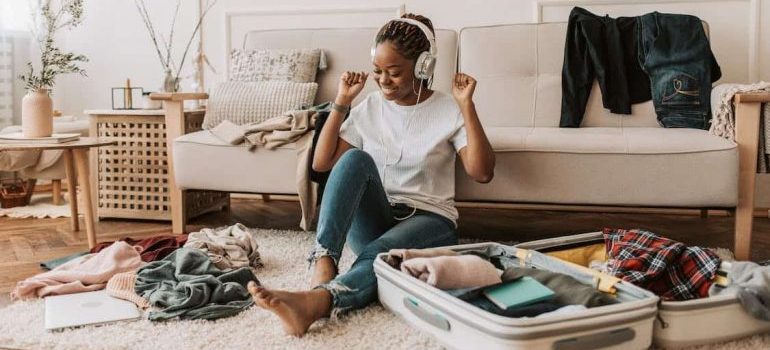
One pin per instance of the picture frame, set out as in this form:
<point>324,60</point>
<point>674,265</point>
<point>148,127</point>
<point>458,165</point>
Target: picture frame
<point>126,98</point>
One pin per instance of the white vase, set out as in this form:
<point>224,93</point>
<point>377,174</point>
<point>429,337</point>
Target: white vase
<point>37,114</point>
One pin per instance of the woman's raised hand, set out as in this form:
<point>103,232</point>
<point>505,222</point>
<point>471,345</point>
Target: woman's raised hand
<point>463,87</point>
<point>351,84</point>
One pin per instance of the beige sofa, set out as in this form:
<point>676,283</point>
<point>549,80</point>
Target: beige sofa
<point>611,160</point>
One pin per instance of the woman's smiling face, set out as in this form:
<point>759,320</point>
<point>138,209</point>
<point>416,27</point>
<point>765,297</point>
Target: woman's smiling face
<point>394,74</point>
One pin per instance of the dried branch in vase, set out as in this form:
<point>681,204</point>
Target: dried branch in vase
<point>164,47</point>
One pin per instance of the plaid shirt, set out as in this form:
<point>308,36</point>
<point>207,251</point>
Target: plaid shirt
<point>667,268</point>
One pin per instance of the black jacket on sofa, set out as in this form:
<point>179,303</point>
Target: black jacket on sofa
<point>593,50</point>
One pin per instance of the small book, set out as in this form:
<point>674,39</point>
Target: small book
<point>18,137</point>
<point>518,292</point>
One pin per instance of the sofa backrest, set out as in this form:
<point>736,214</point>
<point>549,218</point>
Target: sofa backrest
<point>349,49</point>
<point>518,69</point>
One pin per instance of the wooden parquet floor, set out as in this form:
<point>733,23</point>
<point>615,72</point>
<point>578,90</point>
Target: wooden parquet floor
<point>26,242</point>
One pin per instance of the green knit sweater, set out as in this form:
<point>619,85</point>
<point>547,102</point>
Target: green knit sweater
<point>187,285</point>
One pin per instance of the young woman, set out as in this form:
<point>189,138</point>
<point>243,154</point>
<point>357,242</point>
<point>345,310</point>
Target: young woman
<point>392,179</point>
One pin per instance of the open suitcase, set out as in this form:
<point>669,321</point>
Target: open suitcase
<point>460,325</point>
<point>679,323</point>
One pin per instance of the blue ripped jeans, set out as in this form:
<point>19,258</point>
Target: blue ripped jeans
<point>356,210</point>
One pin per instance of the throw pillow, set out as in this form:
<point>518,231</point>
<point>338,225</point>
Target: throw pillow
<point>298,65</point>
<point>254,102</point>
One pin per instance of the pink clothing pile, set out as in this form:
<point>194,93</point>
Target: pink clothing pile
<point>85,274</point>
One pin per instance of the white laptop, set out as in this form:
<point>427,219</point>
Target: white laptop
<point>87,308</point>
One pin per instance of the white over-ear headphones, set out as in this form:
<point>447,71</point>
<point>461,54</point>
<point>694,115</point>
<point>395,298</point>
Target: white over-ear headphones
<point>426,62</point>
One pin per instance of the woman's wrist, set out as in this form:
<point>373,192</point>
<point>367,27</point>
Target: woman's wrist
<point>343,101</point>
<point>340,108</point>
<point>466,105</point>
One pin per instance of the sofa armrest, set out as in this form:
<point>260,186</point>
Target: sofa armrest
<point>173,107</point>
<point>176,125</point>
<point>179,96</point>
<point>747,117</point>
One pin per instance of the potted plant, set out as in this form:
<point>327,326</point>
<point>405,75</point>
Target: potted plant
<point>36,106</point>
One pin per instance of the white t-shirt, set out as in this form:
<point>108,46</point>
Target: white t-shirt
<point>422,143</point>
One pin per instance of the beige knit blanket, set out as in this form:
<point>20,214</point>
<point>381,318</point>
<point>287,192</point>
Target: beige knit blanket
<point>723,119</point>
<point>292,127</point>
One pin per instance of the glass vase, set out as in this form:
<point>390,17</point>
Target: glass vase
<point>170,83</point>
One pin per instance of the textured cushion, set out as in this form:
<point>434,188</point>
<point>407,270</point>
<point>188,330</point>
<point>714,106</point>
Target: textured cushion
<point>243,103</point>
<point>238,169</point>
<point>608,166</point>
<point>297,65</point>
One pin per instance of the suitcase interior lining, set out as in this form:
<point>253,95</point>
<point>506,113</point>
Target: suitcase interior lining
<point>507,258</point>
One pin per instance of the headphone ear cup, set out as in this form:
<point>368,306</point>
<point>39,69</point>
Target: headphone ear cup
<point>424,66</point>
<point>373,51</point>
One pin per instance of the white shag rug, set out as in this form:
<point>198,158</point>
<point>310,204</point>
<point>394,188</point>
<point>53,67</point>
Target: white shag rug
<point>40,206</point>
<point>283,253</point>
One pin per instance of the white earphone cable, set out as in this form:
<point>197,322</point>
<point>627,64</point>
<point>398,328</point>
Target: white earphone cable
<point>411,203</point>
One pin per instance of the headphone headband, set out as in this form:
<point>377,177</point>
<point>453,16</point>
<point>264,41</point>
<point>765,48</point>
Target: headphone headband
<point>425,30</point>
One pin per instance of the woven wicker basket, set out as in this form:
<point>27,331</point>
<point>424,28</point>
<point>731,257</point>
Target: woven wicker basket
<point>16,192</point>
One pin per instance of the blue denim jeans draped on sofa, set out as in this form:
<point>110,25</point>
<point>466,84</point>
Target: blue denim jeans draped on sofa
<point>675,53</point>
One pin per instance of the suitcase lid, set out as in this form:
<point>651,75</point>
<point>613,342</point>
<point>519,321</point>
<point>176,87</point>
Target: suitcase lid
<point>566,242</point>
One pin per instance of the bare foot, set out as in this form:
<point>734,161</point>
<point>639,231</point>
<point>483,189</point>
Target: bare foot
<point>296,310</point>
<point>324,271</point>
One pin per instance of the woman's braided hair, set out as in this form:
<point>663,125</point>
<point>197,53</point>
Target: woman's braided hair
<point>408,39</point>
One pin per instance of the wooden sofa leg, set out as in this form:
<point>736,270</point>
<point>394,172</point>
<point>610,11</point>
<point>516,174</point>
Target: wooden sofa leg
<point>743,223</point>
<point>747,138</point>
<point>175,127</point>
<point>178,211</point>
<point>56,189</point>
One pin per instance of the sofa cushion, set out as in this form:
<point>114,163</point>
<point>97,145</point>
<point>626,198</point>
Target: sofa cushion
<point>202,161</point>
<point>254,102</point>
<point>297,65</point>
<point>605,140</point>
<point>600,166</point>
<point>608,166</point>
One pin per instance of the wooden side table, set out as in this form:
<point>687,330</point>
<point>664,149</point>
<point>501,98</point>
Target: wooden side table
<point>75,155</point>
<point>131,178</point>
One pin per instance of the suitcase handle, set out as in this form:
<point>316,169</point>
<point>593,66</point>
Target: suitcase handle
<point>429,316</point>
<point>595,341</point>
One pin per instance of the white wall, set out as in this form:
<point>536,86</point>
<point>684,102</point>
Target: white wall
<point>118,46</point>
<point>114,39</point>
<point>21,54</point>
